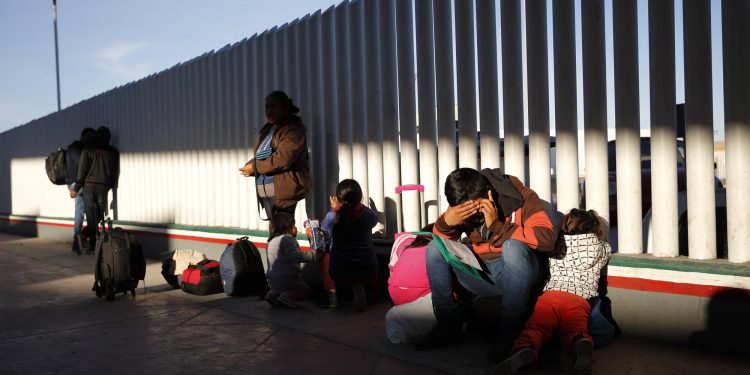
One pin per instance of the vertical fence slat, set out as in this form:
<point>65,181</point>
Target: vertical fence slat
<point>331,100</point>
<point>374,100</point>
<point>736,38</point>
<point>538,91</point>
<point>427,125</point>
<point>446,117</point>
<point>595,106</point>
<point>359,119</point>
<point>466,84</point>
<point>487,75</point>
<point>566,105</point>
<point>627,118</point>
<point>389,115</point>
<point>411,212</point>
<point>343,89</point>
<point>513,145</point>
<point>663,128</point>
<point>699,135</point>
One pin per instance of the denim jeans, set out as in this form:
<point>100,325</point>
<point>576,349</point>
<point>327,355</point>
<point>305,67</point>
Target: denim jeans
<point>95,201</point>
<point>514,275</point>
<point>78,213</point>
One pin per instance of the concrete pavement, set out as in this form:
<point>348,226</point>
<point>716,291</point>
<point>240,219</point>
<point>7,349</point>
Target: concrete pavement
<point>51,323</point>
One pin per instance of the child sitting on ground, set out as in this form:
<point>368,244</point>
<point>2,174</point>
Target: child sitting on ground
<point>352,257</point>
<point>575,268</point>
<point>284,257</point>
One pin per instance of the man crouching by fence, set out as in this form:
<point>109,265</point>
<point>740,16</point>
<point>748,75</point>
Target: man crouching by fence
<point>504,222</point>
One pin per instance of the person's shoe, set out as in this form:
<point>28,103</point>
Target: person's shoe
<point>499,352</point>
<point>439,336</point>
<point>359,300</point>
<point>272,298</point>
<point>76,248</point>
<point>521,358</point>
<point>333,300</point>
<point>285,301</point>
<point>584,349</point>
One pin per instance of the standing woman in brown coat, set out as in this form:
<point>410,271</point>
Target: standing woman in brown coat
<point>281,164</point>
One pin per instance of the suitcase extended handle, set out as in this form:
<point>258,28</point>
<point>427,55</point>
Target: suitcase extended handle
<point>409,187</point>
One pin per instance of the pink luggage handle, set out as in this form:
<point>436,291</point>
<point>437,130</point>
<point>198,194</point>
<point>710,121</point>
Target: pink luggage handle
<point>420,188</point>
<point>409,187</point>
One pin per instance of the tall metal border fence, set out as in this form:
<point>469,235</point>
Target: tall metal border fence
<point>401,92</point>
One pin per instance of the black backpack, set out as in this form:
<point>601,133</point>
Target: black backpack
<point>55,167</point>
<point>120,264</point>
<point>242,270</point>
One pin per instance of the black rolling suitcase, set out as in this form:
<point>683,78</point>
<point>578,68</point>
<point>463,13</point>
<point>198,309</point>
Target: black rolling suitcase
<point>120,264</point>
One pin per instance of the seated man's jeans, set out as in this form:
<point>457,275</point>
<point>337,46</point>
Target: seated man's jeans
<point>514,274</point>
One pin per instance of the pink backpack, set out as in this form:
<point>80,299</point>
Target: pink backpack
<point>408,279</point>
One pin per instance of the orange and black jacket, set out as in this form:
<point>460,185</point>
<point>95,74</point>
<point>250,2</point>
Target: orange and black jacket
<point>527,222</point>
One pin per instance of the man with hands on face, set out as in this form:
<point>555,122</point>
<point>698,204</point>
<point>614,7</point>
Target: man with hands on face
<point>504,222</point>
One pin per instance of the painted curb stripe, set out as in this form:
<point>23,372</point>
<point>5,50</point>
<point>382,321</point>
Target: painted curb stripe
<point>696,278</point>
<point>623,277</point>
<point>634,283</point>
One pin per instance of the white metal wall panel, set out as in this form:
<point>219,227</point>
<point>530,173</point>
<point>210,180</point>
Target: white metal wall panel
<point>317,128</point>
<point>409,162</point>
<point>359,118</point>
<point>428,156</point>
<point>487,74</point>
<point>373,110</point>
<point>466,84</point>
<point>513,145</point>
<point>538,91</point>
<point>389,89</point>
<point>344,97</point>
<point>330,100</point>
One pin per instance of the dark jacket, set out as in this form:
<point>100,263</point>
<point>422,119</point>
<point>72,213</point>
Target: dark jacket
<point>521,217</point>
<point>352,253</point>
<point>289,163</point>
<point>100,165</point>
<point>72,158</point>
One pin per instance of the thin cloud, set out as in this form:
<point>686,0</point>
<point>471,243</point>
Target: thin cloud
<point>119,59</point>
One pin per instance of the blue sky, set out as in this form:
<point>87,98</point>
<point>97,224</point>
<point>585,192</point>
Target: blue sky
<point>104,44</point>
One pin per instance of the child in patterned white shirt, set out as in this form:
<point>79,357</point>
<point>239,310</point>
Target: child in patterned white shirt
<point>575,268</point>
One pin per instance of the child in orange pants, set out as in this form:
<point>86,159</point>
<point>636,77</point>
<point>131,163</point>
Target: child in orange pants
<point>575,268</point>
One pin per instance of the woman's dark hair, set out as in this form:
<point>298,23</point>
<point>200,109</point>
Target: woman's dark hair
<point>580,222</point>
<point>281,223</point>
<point>284,99</point>
<point>464,184</point>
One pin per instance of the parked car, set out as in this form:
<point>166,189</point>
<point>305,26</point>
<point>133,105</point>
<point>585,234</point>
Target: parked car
<point>646,196</point>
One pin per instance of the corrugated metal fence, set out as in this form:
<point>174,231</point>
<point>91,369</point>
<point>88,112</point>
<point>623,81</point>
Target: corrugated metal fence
<point>366,72</point>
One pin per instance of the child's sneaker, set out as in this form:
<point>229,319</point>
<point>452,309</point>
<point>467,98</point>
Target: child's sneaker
<point>284,300</point>
<point>360,299</point>
<point>584,349</point>
<point>333,300</point>
<point>521,358</point>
